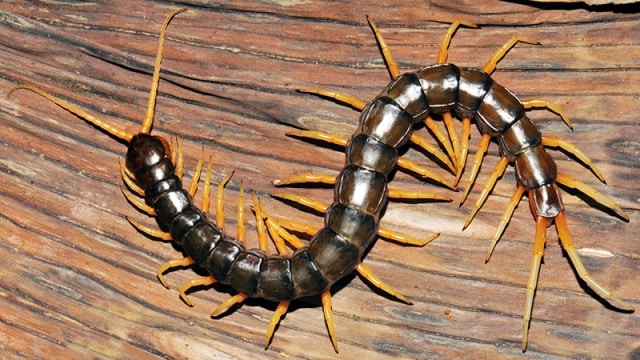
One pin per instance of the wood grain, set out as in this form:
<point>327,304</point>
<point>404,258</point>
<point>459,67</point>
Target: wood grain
<point>77,281</point>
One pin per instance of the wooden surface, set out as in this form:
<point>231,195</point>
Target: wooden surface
<point>78,282</point>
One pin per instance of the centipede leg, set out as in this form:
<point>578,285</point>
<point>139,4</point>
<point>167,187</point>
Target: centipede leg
<point>592,193</point>
<point>477,162</point>
<point>556,142</point>
<point>327,311</point>
<point>330,180</point>
<point>549,105</point>
<point>534,272</point>
<point>281,309</point>
<point>491,64</point>
<point>465,134</point>
<point>276,227</point>
<point>486,189</point>
<point>443,53</point>
<point>445,141</point>
<point>403,163</point>
<point>504,220</point>
<point>567,245</point>
<point>383,232</point>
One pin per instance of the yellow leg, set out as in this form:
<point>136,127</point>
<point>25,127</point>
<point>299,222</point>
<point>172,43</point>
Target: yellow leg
<point>327,310</point>
<point>409,165</point>
<point>432,149</point>
<point>450,125</point>
<point>338,96</point>
<point>441,137</point>
<point>464,147</point>
<point>504,220</point>
<point>220,201</point>
<point>177,157</point>
<point>139,204</point>
<point>225,305</point>
<point>549,105</point>
<point>534,272</point>
<point>374,280</point>
<point>477,162</point>
<point>129,179</point>
<point>203,281</point>
<point>486,189</point>
<point>156,233</point>
<point>193,185</point>
<point>491,64</point>
<point>263,239</point>
<point>443,53</point>
<point>556,142</point>
<point>592,193</point>
<point>567,245</point>
<point>172,264</point>
<point>241,234</point>
<point>281,309</point>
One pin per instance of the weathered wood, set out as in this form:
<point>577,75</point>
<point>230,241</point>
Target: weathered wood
<point>78,281</point>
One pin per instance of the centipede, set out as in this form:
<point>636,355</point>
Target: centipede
<point>446,90</point>
<point>153,170</point>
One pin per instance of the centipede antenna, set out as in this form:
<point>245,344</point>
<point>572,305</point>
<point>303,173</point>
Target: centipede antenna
<point>109,128</point>
<point>147,122</point>
<point>392,65</point>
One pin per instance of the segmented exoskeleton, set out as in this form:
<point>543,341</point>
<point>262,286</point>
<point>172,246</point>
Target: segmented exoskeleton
<point>387,122</point>
<point>153,170</point>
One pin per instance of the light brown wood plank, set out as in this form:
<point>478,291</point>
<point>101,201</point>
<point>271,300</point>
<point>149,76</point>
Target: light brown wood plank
<point>79,282</point>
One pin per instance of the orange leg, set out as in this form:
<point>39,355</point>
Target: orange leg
<point>504,220</point>
<point>556,142</point>
<point>491,64</point>
<point>486,189</point>
<point>403,163</point>
<point>477,162</point>
<point>595,195</point>
<point>534,272</point>
<point>567,245</point>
